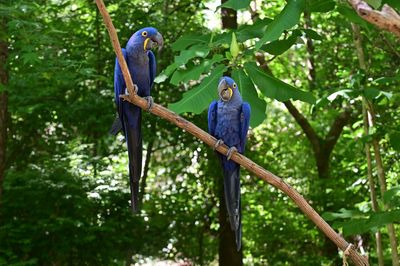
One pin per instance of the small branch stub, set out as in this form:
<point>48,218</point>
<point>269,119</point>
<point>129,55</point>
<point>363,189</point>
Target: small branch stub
<point>386,19</point>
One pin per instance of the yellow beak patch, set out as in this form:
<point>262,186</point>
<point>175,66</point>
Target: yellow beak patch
<point>145,43</point>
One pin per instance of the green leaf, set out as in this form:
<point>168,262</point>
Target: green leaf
<point>342,214</point>
<point>313,34</point>
<point>234,48</point>
<point>195,51</point>
<point>373,93</point>
<point>195,72</point>
<point>393,3</point>
<point>392,196</point>
<point>275,88</point>
<point>351,15</point>
<point>250,95</point>
<point>188,40</point>
<point>166,73</point>
<point>395,140</point>
<point>278,47</point>
<point>320,5</point>
<point>374,3</point>
<point>236,4</point>
<point>256,30</point>
<point>200,97</point>
<point>288,18</point>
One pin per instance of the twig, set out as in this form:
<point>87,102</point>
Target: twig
<point>386,19</point>
<point>267,176</point>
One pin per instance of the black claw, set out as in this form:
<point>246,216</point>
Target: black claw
<point>230,152</point>
<point>150,102</point>
<point>218,143</point>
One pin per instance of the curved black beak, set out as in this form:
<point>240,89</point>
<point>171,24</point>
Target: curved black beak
<point>224,91</point>
<point>157,40</point>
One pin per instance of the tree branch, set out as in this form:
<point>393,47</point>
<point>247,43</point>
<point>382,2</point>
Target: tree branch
<point>305,126</point>
<point>336,129</point>
<point>223,149</point>
<point>386,19</point>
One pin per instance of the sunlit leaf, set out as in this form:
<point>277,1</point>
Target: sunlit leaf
<point>199,98</point>
<point>249,94</point>
<point>190,39</point>
<point>288,18</point>
<point>275,88</point>
<point>236,4</point>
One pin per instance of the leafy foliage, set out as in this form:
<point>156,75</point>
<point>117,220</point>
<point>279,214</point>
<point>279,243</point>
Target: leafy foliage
<point>66,192</point>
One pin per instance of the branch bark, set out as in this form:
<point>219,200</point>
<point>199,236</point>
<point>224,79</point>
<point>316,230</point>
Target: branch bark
<point>223,149</point>
<point>386,19</point>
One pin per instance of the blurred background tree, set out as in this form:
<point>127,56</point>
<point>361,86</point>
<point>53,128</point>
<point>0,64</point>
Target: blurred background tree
<point>64,180</point>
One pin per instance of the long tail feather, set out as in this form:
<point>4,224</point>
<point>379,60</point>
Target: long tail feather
<point>134,142</point>
<point>116,126</point>
<point>232,199</point>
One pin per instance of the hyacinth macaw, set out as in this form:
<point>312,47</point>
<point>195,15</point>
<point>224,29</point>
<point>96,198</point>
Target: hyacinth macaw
<point>228,121</point>
<point>142,67</point>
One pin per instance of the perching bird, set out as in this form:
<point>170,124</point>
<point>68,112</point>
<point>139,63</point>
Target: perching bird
<point>142,67</point>
<point>228,121</point>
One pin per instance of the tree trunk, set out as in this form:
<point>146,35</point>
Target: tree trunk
<point>3,105</point>
<point>369,121</point>
<point>228,255</point>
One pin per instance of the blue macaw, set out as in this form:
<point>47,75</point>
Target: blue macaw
<point>228,121</point>
<point>142,67</point>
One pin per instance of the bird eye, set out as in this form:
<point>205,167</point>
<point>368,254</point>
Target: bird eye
<point>144,33</point>
<point>234,85</point>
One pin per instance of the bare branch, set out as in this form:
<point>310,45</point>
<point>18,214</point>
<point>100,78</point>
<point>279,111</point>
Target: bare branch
<point>237,157</point>
<point>305,126</point>
<point>336,130</point>
<point>386,19</point>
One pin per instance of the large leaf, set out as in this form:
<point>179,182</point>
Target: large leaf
<point>249,94</point>
<point>361,222</point>
<point>194,51</point>
<point>393,3</point>
<point>392,196</point>
<point>278,47</point>
<point>288,18</point>
<point>395,140</point>
<point>200,97</point>
<point>275,88</point>
<point>352,16</point>
<point>191,39</point>
<point>236,4</point>
<point>256,30</point>
<point>320,5</point>
<point>194,72</point>
<point>374,3</point>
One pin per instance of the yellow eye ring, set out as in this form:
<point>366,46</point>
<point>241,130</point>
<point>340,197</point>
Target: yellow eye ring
<point>234,85</point>
<point>144,33</point>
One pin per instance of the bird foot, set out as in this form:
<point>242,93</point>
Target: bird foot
<point>218,143</point>
<point>150,102</point>
<point>125,96</point>
<point>135,90</point>
<point>230,152</point>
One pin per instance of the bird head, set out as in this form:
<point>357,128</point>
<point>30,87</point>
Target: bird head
<point>147,38</point>
<point>227,88</point>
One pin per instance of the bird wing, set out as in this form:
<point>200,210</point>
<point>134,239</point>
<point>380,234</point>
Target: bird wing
<point>152,66</point>
<point>244,125</point>
<point>212,117</point>
<point>119,88</point>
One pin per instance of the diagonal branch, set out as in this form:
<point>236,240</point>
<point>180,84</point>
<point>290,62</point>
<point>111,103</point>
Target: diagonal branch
<point>305,126</point>
<point>336,130</point>
<point>386,19</point>
<point>267,176</point>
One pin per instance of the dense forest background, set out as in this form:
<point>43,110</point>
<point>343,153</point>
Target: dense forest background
<point>324,90</point>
